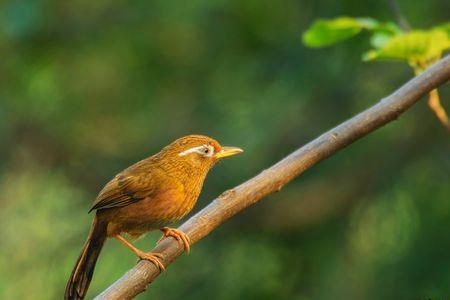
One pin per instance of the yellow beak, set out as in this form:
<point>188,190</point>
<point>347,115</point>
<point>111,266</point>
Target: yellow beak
<point>228,151</point>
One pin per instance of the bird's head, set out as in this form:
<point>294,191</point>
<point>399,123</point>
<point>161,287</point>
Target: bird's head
<point>198,151</point>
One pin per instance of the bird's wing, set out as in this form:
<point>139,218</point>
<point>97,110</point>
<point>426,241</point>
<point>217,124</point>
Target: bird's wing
<point>124,189</point>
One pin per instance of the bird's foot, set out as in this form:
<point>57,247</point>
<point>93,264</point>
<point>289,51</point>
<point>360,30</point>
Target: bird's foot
<point>179,235</point>
<point>154,258</point>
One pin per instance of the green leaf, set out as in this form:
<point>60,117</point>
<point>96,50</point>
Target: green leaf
<point>445,27</point>
<point>415,46</point>
<point>380,39</point>
<point>324,32</point>
<point>383,33</point>
<point>388,28</point>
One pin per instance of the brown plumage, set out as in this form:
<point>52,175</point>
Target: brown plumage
<point>148,195</point>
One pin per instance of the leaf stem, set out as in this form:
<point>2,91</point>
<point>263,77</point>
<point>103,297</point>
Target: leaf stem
<point>434,103</point>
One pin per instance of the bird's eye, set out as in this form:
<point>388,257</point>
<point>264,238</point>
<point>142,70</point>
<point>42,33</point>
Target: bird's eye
<point>206,151</point>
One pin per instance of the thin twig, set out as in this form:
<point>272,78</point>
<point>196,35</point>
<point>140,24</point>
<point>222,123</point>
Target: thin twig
<point>434,103</point>
<point>274,178</point>
<point>401,19</point>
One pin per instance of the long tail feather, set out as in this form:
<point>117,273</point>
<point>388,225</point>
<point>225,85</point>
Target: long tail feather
<point>81,276</point>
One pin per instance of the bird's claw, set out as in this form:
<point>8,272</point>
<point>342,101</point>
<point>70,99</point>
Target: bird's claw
<point>179,235</point>
<point>154,258</point>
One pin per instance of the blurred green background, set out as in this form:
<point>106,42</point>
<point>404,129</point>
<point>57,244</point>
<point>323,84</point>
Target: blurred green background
<point>90,87</point>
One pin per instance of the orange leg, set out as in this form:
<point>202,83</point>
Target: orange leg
<point>152,257</point>
<point>179,235</point>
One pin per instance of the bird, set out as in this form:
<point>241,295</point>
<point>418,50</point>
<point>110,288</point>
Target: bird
<point>149,195</point>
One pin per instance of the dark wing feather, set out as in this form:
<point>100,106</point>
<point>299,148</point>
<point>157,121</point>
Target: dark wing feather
<point>124,189</point>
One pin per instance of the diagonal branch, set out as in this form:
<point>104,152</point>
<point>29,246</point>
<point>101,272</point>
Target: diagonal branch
<point>274,178</point>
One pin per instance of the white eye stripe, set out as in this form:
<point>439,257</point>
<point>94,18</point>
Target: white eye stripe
<point>191,150</point>
<point>205,150</point>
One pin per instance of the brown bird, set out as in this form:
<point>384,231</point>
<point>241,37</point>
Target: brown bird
<point>148,195</point>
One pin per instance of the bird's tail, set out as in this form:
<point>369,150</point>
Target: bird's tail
<point>81,276</point>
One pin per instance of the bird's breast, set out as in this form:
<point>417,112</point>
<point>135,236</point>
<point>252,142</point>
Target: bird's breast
<point>165,207</point>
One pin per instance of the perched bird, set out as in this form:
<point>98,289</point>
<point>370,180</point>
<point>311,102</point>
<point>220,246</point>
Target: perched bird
<point>148,195</point>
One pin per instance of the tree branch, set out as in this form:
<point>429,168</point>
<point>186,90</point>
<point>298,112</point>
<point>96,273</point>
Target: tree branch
<point>274,178</point>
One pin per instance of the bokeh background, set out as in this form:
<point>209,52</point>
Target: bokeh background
<point>90,87</point>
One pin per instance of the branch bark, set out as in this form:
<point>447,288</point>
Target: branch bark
<point>274,178</point>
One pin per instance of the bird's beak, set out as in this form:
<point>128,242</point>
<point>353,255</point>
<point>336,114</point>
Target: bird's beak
<point>228,151</point>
